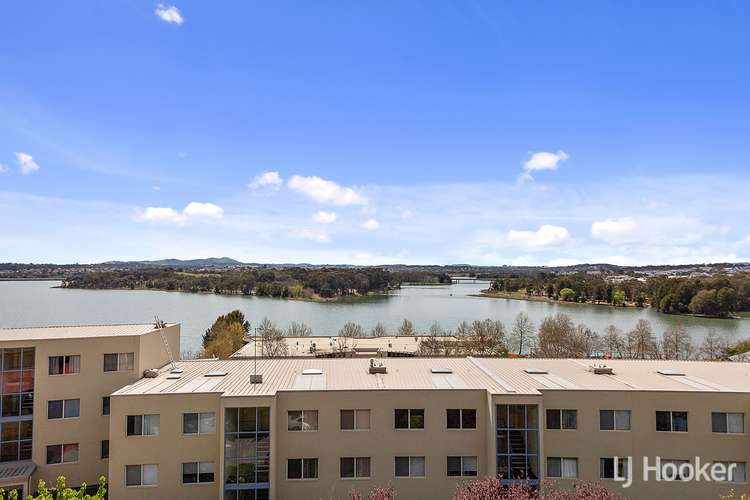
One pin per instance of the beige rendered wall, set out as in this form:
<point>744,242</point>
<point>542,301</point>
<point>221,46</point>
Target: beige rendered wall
<point>153,352</point>
<point>590,444</point>
<point>382,442</point>
<point>169,449</point>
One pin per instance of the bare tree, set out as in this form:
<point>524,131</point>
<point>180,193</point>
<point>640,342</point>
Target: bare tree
<point>522,334</point>
<point>676,343</point>
<point>585,342</point>
<point>348,334</point>
<point>613,342</point>
<point>406,329</point>
<point>555,336</point>
<point>298,329</point>
<point>713,347</point>
<point>273,343</point>
<point>487,338</point>
<point>436,330</point>
<point>641,342</point>
<point>379,330</point>
<point>463,329</point>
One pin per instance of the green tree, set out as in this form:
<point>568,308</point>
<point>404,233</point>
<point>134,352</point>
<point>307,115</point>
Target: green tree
<point>618,297</point>
<point>567,295</point>
<point>60,492</point>
<point>235,316</point>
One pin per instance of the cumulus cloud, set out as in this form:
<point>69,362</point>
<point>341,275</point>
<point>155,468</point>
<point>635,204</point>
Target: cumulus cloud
<point>193,210</point>
<point>169,14</point>
<point>545,237</point>
<point>324,191</point>
<point>371,225</point>
<point>270,179</point>
<point>196,209</point>
<point>26,163</point>
<point>545,161</point>
<point>323,217</point>
<point>562,262</point>
<point>654,231</point>
<point>312,235</point>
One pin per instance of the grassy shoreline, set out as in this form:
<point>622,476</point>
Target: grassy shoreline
<point>536,298</point>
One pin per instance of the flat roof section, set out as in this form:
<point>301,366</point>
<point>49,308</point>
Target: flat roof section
<point>76,332</point>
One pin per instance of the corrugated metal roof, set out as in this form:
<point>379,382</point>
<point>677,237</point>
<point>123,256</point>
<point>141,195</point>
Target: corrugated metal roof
<point>74,332</point>
<point>16,470</point>
<point>496,375</point>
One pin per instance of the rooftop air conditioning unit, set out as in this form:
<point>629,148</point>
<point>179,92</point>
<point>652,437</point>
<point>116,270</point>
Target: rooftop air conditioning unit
<point>601,370</point>
<point>256,378</point>
<point>151,373</point>
<point>377,367</point>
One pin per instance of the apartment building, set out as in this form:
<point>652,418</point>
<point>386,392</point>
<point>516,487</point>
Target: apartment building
<point>316,428</point>
<point>54,396</point>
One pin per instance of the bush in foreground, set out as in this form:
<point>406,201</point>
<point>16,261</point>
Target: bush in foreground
<point>59,492</point>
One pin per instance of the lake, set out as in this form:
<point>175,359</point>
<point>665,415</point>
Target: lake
<point>37,303</point>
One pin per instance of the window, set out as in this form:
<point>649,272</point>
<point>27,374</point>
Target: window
<point>354,467</point>
<point>62,453</point>
<point>408,419</point>
<point>302,468</point>
<point>64,365</point>
<point>409,466</point>
<point>119,362</point>
<point>562,419</point>
<point>105,448</point>
<point>197,472</point>
<point>105,405</point>
<point>143,425</point>
<point>563,468</point>
<point>671,421</point>
<point>736,472</point>
<point>199,423</point>
<point>517,440</point>
<point>302,420</point>
<point>63,408</point>
<point>461,419</point>
<point>729,423</point>
<point>607,468</point>
<point>247,450</point>
<point>355,420</point>
<point>16,440</point>
<point>670,469</point>
<point>614,420</point>
<point>142,475</point>
<point>462,466</point>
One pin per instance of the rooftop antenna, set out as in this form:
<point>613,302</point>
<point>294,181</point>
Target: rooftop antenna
<point>160,325</point>
<point>255,378</point>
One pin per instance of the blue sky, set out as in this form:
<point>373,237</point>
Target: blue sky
<point>480,132</point>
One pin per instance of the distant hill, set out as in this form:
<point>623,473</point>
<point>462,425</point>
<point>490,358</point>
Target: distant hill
<point>201,263</point>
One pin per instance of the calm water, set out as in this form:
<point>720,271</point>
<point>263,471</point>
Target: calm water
<point>33,303</point>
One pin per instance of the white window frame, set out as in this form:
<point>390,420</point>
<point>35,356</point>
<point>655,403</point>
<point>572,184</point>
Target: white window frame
<point>303,421</point>
<point>727,464</point>
<point>411,458</point>
<point>464,470</point>
<point>64,404</point>
<point>560,412</point>
<point>302,469</point>
<point>120,356</point>
<point>355,463</point>
<point>726,420</point>
<point>62,454</point>
<point>64,364</point>
<point>671,420</point>
<point>143,426</point>
<point>461,419</point>
<point>140,484</point>
<point>620,460</point>
<point>200,423</point>
<point>409,427</point>
<point>197,473</point>
<point>614,421</point>
<point>356,412</point>
<point>562,467</point>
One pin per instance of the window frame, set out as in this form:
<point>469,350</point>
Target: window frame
<point>63,408</point>
<point>460,419</point>
<point>140,484</point>
<point>199,431</point>
<point>355,412</point>
<point>620,460</point>
<point>66,362</point>
<point>410,458</point>
<point>355,468</point>
<point>142,426</point>
<point>108,406</point>
<point>671,421</point>
<point>302,420</point>
<point>462,469</point>
<point>409,419</point>
<point>198,473</point>
<point>729,463</point>
<point>560,415</point>
<point>101,449</point>
<point>302,462</point>
<point>119,363</point>
<point>614,420</point>
<point>62,454</point>
<point>562,467</point>
<point>726,414</point>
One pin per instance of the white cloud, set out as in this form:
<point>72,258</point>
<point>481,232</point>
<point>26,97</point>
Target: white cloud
<point>407,214</point>
<point>169,14</point>
<point>545,236</point>
<point>270,179</point>
<point>323,217</point>
<point>169,215</point>
<point>27,163</point>
<point>312,235</point>
<point>371,225</point>
<point>196,209</point>
<point>651,231</point>
<point>3,168</point>
<point>562,262</point>
<point>323,191</point>
<point>545,161</point>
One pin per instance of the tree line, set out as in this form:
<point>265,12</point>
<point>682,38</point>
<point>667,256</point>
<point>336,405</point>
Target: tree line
<point>555,337</point>
<point>281,283</point>
<point>715,296</point>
